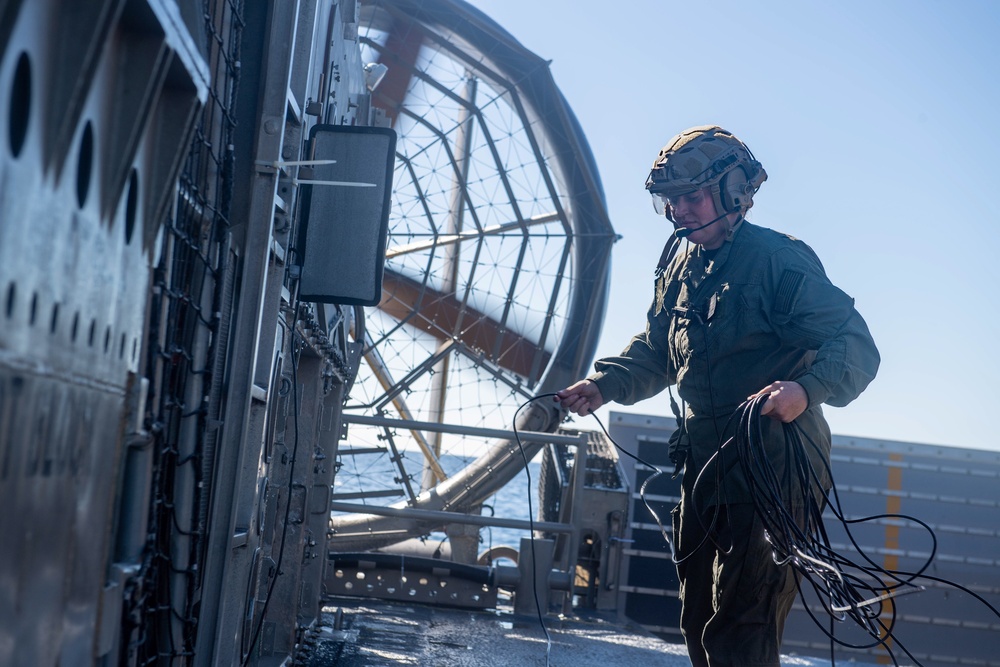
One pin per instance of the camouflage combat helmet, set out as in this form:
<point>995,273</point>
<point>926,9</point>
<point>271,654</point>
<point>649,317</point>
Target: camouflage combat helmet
<point>702,156</point>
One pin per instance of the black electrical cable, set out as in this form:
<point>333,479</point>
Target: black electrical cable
<point>531,528</point>
<point>531,524</point>
<point>288,501</point>
<point>642,489</point>
<point>790,505</point>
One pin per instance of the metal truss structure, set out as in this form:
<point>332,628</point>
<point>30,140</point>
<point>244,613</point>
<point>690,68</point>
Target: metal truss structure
<point>496,272</point>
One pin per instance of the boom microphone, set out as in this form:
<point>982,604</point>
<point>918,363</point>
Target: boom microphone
<point>684,232</point>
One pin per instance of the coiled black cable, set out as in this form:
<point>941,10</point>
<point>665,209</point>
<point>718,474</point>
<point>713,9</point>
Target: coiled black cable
<point>790,504</point>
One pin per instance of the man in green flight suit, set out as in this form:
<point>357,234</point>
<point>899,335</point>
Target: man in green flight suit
<point>742,312</point>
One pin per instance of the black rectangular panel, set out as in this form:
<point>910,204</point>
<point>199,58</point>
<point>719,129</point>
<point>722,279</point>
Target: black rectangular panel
<point>346,214</point>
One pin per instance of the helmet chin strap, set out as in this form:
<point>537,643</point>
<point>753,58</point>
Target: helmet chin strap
<point>740,218</point>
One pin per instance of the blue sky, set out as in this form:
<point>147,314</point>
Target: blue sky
<point>877,124</point>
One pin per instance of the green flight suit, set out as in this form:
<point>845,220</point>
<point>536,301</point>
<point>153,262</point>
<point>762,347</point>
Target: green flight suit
<point>723,325</point>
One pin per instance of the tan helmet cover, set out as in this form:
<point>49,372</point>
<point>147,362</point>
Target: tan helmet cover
<point>708,156</point>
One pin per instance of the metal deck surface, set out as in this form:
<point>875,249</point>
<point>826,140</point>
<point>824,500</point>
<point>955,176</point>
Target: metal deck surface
<point>369,633</point>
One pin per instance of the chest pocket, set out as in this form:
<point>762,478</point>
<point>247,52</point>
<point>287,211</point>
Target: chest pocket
<point>700,322</point>
<point>723,312</point>
<point>725,320</point>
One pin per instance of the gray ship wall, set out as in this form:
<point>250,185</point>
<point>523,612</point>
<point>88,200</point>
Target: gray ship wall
<point>98,101</point>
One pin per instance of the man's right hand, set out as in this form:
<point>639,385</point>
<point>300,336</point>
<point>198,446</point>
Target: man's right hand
<point>582,397</point>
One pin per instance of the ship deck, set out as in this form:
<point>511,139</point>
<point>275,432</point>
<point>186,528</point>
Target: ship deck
<point>370,633</point>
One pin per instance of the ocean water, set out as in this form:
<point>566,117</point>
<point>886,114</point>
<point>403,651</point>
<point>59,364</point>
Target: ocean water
<point>517,500</point>
<point>512,502</point>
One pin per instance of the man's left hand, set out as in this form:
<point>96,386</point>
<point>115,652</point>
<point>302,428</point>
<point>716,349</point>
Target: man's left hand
<point>785,401</point>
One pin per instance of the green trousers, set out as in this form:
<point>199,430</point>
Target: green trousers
<point>734,597</point>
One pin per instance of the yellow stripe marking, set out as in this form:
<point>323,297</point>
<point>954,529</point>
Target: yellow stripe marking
<point>893,504</point>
